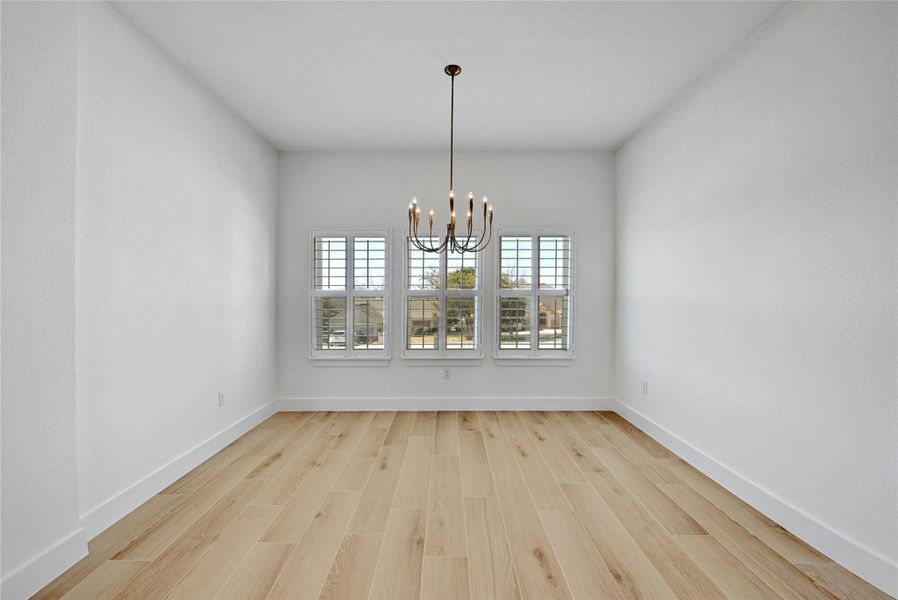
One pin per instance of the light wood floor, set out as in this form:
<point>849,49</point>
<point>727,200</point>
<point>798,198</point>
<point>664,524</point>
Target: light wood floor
<point>449,505</point>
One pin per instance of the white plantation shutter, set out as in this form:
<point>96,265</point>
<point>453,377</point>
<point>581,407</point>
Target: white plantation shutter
<point>443,305</point>
<point>350,294</point>
<point>534,294</point>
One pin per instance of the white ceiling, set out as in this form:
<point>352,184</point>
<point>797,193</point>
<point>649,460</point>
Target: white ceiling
<point>369,75</point>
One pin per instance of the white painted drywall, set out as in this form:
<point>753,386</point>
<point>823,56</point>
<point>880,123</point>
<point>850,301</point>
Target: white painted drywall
<point>39,488</point>
<point>327,190</point>
<point>757,271</point>
<point>175,261</point>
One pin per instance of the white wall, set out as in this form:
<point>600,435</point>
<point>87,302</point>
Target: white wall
<point>331,190</point>
<point>176,266</point>
<point>39,488</point>
<point>757,277</point>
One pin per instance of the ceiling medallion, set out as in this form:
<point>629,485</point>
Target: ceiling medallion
<point>465,242</point>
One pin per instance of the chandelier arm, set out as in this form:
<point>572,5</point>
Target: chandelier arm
<point>489,237</point>
<point>438,247</point>
<point>413,232</point>
<point>476,247</point>
<point>457,248</point>
<point>430,248</point>
<point>413,236</point>
<point>466,246</point>
<point>430,245</point>
<point>418,243</point>
<point>480,245</point>
<point>450,238</point>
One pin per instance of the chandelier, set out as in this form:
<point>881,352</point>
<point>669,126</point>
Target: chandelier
<point>465,242</point>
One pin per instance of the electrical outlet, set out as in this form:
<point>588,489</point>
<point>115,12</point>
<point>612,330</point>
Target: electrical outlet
<point>221,398</point>
<point>447,374</point>
<point>645,388</point>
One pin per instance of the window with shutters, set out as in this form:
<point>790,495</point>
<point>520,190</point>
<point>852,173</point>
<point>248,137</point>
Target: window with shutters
<point>534,294</point>
<point>443,301</point>
<point>350,295</point>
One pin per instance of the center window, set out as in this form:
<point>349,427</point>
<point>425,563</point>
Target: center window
<point>443,301</point>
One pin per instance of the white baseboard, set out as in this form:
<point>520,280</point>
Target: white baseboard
<point>447,403</point>
<point>862,561</point>
<point>28,578</point>
<point>105,514</point>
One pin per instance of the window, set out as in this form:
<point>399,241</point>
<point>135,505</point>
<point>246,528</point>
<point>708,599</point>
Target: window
<point>534,294</point>
<point>350,294</point>
<point>443,300</point>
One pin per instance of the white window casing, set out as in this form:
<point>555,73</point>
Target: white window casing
<point>363,341</point>
<point>546,333</point>
<point>439,348</point>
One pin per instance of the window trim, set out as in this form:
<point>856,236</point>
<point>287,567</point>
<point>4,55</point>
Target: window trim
<point>349,355</point>
<point>534,353</point>
<point>442,354</point>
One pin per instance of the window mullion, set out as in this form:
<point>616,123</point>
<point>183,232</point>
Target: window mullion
<point>534,307</point>
<point>350,288</point>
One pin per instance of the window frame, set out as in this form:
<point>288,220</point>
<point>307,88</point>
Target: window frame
<point>534,353</point>
<point>442,354</point>
<point>350,354</point>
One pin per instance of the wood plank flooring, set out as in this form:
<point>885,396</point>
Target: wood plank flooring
<point>454,505</point>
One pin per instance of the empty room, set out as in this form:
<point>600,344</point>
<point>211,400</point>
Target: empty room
<point>448,300</point>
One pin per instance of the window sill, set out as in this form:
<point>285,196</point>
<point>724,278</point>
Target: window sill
<point>349,361</point>
<point>534,361</point>
<point>442,361</point>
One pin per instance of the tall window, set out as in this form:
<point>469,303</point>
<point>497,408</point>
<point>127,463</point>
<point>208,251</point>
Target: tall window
<point>534,294</point>
<point>443,303</point>
<point>350,294</point>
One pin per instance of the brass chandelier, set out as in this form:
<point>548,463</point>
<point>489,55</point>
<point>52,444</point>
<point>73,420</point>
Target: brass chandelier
<point>467,242</point>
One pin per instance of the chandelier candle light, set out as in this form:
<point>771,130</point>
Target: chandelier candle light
<point>451,242</point>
